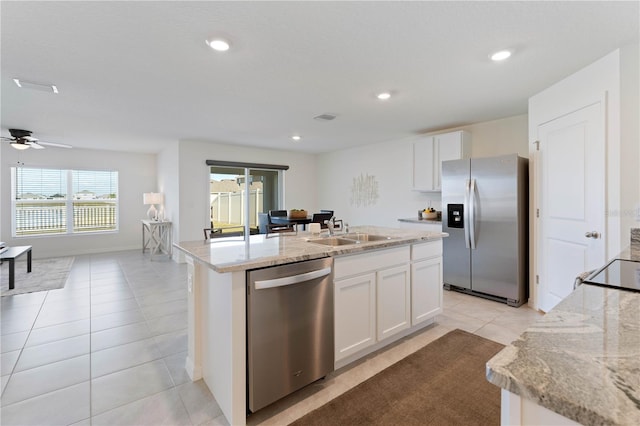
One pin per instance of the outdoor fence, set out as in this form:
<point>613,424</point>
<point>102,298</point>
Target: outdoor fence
<point>35,218</point>
<point>229,207</point>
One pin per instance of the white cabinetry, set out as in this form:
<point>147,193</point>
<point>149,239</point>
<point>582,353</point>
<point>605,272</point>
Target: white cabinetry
<point>394,301</point>
<point>355,314</point>
<point>430,151</point>
<point>426,281</point>
<point>383,295</point>
<point>372,298</point>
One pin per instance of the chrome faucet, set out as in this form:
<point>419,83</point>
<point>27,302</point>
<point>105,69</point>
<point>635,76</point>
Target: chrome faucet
<point>330,226</point>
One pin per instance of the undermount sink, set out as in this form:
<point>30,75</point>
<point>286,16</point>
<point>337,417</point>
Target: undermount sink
<point>365,237</point>
<point>347,239</point>
<point>333,241</point>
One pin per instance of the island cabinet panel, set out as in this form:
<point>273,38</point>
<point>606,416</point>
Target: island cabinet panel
<point>393,301</point>
<point>355,314</point>
<point>426,281</point>
<point>426,289</point>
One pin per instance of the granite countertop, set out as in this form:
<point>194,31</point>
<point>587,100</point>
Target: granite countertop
<point>228,255</point>
<point>582,359</point>
<point>425,221</point>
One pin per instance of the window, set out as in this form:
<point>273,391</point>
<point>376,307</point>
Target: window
<point>55,202</point>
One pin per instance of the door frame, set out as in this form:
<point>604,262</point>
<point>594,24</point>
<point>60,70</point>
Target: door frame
<point>598,82</point>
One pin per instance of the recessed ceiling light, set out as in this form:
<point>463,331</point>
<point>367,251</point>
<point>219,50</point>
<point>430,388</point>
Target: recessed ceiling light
<point>35,86</point>
<point>218,44</point>
<point>383,96</point>
<point>500,55</point>
<point>296,138</point>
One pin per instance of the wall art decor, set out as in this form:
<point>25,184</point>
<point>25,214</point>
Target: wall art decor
<point>364,191</point>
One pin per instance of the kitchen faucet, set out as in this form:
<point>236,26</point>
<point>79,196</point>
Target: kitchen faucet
<point>330,226</point>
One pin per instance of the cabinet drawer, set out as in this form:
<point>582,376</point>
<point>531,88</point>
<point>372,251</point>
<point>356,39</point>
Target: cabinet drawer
<point>345,266</point>
<point>426,250</point>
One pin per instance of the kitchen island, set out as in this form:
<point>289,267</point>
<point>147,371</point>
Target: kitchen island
<point>580,363</point>
<point>217,295</point>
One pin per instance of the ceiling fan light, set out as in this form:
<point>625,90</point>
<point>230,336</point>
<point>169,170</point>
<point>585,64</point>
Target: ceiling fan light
<point>19,146</point>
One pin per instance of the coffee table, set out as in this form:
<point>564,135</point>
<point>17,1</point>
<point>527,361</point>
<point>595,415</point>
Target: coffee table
<point>11,254</point>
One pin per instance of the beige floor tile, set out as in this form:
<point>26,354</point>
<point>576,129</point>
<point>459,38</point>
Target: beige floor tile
<point>13,341</point>
<point>53,333</point>
<point>126,386</point>
<point>119,336</point>
<point>36,356</point>
<point>498,334</point>
<point>61,407</point>
<point>121,357</point>
<point>199,402</point>
<point>172,343</point>
<point>164,408</point>
<point>48,378</point>
<point>176,366</point>
<point>8,361</point>
<point>116,319</point>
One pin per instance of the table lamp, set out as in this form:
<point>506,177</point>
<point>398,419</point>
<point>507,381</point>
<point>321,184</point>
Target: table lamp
<point>152,198</point>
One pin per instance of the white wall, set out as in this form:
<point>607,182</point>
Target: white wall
<point>391,164</point>
<point>168,183</point>
<point>136,175</point>
<point>193,181</point>
<point>629,141</point>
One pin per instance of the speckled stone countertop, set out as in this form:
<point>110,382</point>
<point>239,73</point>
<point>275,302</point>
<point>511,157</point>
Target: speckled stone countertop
<point>582,359</point>
<point>228,255</point>
<point>425,221</point>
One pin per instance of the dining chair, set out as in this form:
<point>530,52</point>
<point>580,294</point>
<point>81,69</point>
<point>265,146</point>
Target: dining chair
<point>267,227</point>
<point>322,219</point>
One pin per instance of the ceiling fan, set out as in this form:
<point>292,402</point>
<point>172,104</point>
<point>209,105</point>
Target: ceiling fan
<point>22,139</point>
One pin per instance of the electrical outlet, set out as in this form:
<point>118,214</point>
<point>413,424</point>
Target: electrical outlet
<point>190,283</point>
<point>637,212</point>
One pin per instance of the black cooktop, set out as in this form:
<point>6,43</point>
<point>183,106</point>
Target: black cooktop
<point>622,274</point>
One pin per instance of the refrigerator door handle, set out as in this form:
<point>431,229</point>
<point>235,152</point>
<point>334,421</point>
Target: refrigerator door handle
<point>472,214</point>
<point>465,216</point>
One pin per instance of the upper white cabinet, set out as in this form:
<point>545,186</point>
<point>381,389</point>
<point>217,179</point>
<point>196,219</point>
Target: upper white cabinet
<point>430,151</point>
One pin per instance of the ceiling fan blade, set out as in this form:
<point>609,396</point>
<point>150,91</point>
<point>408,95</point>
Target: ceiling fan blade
<point>57,145</point>
<point>34,145</point>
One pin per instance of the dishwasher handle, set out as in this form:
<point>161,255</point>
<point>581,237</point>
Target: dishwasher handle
<point>293,279</point>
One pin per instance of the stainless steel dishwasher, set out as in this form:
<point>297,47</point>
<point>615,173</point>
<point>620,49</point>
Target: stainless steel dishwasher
<point>289,329</point>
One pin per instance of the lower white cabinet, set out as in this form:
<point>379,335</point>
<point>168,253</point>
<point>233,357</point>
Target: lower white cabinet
<point>393,288</point>
<point>426,289</point>
<point>355,314</point>
<point>382,295</point>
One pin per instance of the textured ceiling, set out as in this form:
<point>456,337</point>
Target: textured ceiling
<point>134,76</point>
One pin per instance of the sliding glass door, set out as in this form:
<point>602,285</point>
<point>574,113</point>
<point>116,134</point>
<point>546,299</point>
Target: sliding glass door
<point>228,199</point>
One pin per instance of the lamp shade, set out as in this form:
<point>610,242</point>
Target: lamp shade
<point>153,198</point>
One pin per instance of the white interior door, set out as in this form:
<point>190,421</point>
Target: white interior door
<point>572,200</point>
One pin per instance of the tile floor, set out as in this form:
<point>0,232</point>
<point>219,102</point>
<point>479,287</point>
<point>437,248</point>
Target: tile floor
<point>109,348</point>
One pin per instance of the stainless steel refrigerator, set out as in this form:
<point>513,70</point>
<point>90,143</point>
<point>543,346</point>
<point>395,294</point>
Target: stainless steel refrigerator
<point>485,213</point>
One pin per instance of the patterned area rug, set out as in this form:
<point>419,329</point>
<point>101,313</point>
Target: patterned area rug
<point>46,274</point>
<point>441,384</point>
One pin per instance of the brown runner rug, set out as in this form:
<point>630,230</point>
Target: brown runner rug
<point>441,384</point>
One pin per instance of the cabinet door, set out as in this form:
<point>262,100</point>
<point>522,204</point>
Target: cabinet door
<point>448,147</point>
<point>423,161</point>
<point>394,301</point>
<point>426,289</point>
<point>355,314</point>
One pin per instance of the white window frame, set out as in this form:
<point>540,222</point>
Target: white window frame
<point>69,203</point>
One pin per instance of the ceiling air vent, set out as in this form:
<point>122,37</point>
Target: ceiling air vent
<point>324,117</point>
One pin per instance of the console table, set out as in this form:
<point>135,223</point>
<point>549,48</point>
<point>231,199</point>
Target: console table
<point>11,254</point>
<point>156,236</point>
